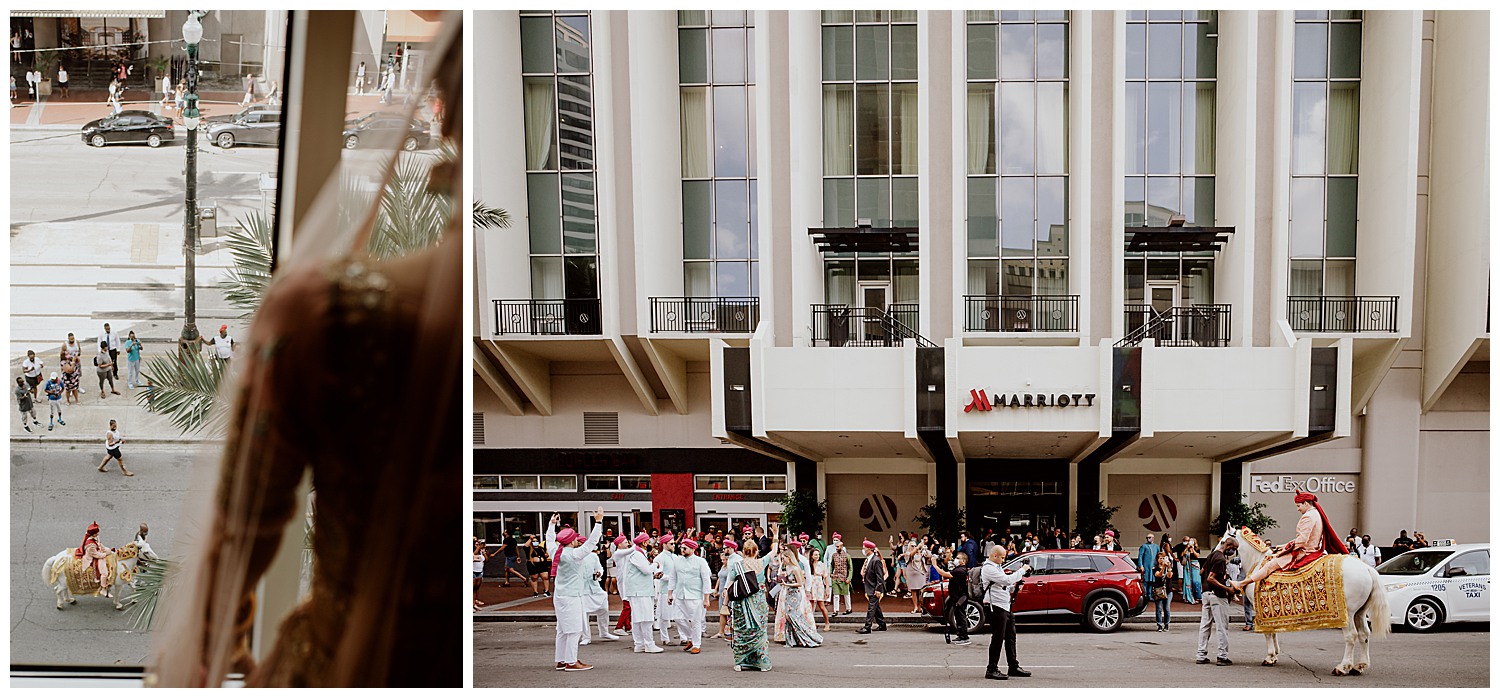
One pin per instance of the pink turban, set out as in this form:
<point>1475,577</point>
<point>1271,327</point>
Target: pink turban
<point>620,541</point>
<point>870,544</point>
<point>731,545</point>
<point>665,539</point>
<point>836,536</point>
<point>690,544</point>
<point>566,536</point>
<point>643,539</point>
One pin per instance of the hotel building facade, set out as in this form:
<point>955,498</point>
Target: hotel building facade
<point>1016,262</point>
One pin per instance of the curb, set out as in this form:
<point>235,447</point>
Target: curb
<point>907,619</point>
<point>91,441</point>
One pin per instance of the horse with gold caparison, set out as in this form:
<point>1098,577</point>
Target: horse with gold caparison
<point>69,576</point>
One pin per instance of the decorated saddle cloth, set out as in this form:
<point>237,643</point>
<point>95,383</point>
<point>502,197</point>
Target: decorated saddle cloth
<point>1306,598</point>
<point>82,579</point>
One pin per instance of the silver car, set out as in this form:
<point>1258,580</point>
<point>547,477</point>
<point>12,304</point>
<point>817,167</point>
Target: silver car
<point>251,126</point>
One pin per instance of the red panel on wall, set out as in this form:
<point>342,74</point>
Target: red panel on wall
<point>672,491</point>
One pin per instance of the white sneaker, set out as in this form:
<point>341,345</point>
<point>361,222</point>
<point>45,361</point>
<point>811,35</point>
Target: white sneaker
<point>639,649</point>
<point>584,641</point>
<point>609,637</point>
<point>653,649</point>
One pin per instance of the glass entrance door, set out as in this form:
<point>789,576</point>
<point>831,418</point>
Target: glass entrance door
<point>1164,296</point>
<point>874,299</point>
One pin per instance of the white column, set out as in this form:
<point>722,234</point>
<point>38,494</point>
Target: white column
<point>1278,196</point>
<point>503,269</point>
<point>803,49</point>
<point>657,167</point>
<point>1081,128</point>
<point>1234,199</point>
<point>940,86</point>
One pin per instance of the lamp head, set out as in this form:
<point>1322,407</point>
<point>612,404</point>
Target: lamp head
<point>190,119</point>
<point>192,29</point>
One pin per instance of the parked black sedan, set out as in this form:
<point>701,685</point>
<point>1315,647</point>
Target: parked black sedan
<point>129,126</point>
<point>385,127</point>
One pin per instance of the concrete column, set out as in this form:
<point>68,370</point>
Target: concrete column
<point>939,82</point>
<point>655,129</point>
<point>801,43</point>
<point>613,186</point>
<point>1234,199</point>
<point>1273,159</point>
<point>783,186</point>
<point>1081,204</point>
<point>498,156</point>
<point>1108,174</point>
<point>1390,453</point>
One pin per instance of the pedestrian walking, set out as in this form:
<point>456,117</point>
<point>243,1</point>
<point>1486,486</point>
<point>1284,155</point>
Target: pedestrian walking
<point>112,441</point>
<point>359,79</point>
<point>817,585</point>
<point>873,573</point>
<point>104,367</point>
<point>31,370</point>
<point>179,96</point>
<point>573,576</point>
<point>840,572</point>
<point>481,553</point>
<point>249,89</point>
<point>54,390</point>
<point>694,580</point>
<point>958,598</point>
<point>112,338</point>
<point>12,88</point>
<point>31,84</point>
<point>114,96</point>
<point>25,404</point>
<point>743,584</point>
<point>1215,619</point>
<point>636,587</point>
<point>133,360</point>
<point>995,585</point>
<point>166,90</point>
<point>62,81</point>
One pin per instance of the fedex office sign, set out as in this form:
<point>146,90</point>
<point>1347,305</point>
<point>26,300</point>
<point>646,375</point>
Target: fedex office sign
<point>1286,483</point>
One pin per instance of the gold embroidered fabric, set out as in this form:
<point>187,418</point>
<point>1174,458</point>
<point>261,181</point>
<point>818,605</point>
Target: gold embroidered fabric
<point>1305,599</point>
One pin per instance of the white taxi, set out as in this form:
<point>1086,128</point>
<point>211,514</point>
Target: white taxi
<point>1430,586</point>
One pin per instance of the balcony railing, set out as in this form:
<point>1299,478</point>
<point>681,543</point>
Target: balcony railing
<point>1183,326</point>
<point>1020,313</point>
<point>848,326</point>
<point>1342,313</point>
<point>572,316</point>
<point>705,314</point>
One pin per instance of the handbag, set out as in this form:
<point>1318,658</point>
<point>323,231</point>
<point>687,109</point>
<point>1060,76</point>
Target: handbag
<point>744,586</point>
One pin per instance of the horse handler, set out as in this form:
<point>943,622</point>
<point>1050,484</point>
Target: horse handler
<point>1216,602</point>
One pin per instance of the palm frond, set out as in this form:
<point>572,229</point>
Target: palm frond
<point>488,218</point>
<point>411,215</point>
<point>148,586</point>
<point>183,387</point>
<point>250,246</point>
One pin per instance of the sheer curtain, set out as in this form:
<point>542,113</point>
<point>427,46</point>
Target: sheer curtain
<point>906,110</point>
<point>540,124</point>
<point>838,130</point>
<point>1205,146</point>
<point>1343,128</point>
<point>695,130</point>
<point>981,129</point>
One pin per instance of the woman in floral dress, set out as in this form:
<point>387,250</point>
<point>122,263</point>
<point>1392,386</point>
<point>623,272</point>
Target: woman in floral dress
<point>817,586</point>
<point>748,615</point>
<point>798,628</point>
<point>70,377</point>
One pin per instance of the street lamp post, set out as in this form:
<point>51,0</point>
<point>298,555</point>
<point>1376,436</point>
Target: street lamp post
<point>192,33</point>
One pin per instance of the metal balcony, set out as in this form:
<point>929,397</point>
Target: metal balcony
<point>726,315</point>
<point>1183,326</point>
<point>1020,313</point>
<point>1342,313</point>
<point>848,326</point>
<point>571,316</point>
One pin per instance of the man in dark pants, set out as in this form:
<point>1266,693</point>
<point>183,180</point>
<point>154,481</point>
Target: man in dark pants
<point>958,597</point>
<point>874,578</point>
<point>997,585</point>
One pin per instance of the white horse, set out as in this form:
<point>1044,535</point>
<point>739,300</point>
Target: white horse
<point>54,574</point>
<point>1364,597</point>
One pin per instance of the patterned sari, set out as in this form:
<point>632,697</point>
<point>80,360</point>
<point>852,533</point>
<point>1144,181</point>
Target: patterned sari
<point>796,626</point>
<point>748,617</point>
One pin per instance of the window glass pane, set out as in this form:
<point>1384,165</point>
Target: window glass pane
<point>575,122</point>
<point>729,18</point>
<point>981,50</point>
<point>903,15</point>
<point>1051,51</point>
<point>838,203</point>
<point>635,482</point>
<point>1311,53</point>
<point>692,17</point>
<point>1017,128</point>
<point>1163,128</point>
<point>1135,51</point>
<point>1052,280</point>
<point>1309,118</point>
<point>832,16</point>
<point>1198,120</point>
<point>871,53</point>
<point>578,213</point>
<point>581,277</point>
<point>601,482</point>
<point>1343,127</point>
<point>1017,54</point>
<point>697,220</point>
<point>906,289</point>
<point>904,128</point>
<point>981,128</point>
<point>1202,59</point>
<point>983,216</point>
<point>486,482</point>
<point>873,133</point>
<point>692,55</point>
<point>1160,15</point>
<point>746,482</point>
<point>710,482</point>
<point>541,123</point>
<point>776,483</point>
<point>873,201</point>
<point>754,225</point>
<point>750,129</point>
<point>984,277</point>
<point>979,15</point>
<point>1164,51</point>
<point>904,208</point>
<point>696,127</point>
<point>543,213</point>
<point>546,278</point>
<point>1017,216</point>
<point>755,279</point>
<point>1197,281</point>
<point>1051,128</point>
<point>1135,281</point>
<point>838,53</point>
<point>729,55</point>
<point>1203,201</point>
<point>572,44</point>
<point>1338,277</point>
<point>1306,230</point>
<point>731,156</point>
<point>1307,277</point>
<point>698,279</point>
<point>750,51</point>
<point>731,219</point>
<point>1135,128</point>
<point>1015,15</point>
<point>904,52</point>
<point>839,282</point>
<point>1311,14</point>
<point>518,482</point>
<point>536,44</point>
<point>1343,195</point>
<point>1135,201</point>
<point>838,130</point>
<point>870,16</point>
<point>559,482</point>
<point>733,279</point>
<point>1015,277</point>
<point>1051,217</point>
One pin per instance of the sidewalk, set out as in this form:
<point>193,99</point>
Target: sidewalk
<point>83,106</point>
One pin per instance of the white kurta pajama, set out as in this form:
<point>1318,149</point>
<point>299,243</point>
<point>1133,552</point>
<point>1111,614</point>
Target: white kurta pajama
<point>568,592</point>
<point>596,602</point>
<point>694,581</point>
<point>636,586</point>
<point>666,564</point>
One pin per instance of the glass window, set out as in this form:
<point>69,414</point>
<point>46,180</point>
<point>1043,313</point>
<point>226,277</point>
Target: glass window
<point>838,53</point>
<point>559,482</point>
<point>578,213</point>
<point>731,219</point>
<point>746,482</point>
<point>838,203</point>
<point>518,482</point>
<point>983,216</point>
<point>572,44</point>
<point>697,217</point>
<point>729,55</point>
<point>692,56</point>
<point>536,45</point>
<point>981,50</point>
<point>601,482</point>
<point>486,482</point>
<point>635,482</point>
<point>1474,563</point>
<point>1323,229</point>
<point>543,213</point>
<point>731,155</point>
<point>777,483</point>
<point>1311,52</point>
<point>1017,216</point>
<point>872,52</point>
<point>873,137</point>
<point>711,482</point>
<point>981,115</point>
<point>904,52</point>
<point>1343,195</point>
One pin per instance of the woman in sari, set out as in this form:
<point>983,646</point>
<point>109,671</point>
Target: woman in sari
<point>797,628</point>
<point>748,615</point>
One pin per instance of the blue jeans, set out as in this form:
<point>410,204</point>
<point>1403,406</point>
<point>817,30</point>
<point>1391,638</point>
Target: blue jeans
<point>134,377</point>
<point>1164,611</point>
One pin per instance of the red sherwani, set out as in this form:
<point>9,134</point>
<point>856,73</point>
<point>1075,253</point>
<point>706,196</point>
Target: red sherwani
<point>95,554</point>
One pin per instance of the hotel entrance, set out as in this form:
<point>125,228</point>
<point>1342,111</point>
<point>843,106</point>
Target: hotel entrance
<point>1026,496</point>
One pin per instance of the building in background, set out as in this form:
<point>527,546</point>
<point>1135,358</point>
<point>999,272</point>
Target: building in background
<point>1014,262</point>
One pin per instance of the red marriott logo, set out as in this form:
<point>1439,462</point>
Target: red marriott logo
<point>979,401</point>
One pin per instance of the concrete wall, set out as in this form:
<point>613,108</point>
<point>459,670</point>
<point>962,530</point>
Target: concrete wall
<point>822,389</point>
<point>592,387</point>
<point>1223,389</point>
<point>502,269</point>
<point>1012,370</point>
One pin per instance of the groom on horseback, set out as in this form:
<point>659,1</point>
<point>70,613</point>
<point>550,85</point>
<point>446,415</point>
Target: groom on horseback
<point>1315,536</point>
<point>94,556</point>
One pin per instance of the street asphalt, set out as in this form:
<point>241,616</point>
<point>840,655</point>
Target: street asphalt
<point>518,655</point>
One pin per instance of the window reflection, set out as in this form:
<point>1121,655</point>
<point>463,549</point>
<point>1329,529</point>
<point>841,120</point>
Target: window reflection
<point>1325,153</point>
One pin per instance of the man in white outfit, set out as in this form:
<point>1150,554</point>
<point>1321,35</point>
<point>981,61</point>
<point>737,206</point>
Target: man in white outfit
<point>573,576</point>
<point>636,587</point>
<point>596,602</point>
<point>666,581</point>
<point>694,581</point>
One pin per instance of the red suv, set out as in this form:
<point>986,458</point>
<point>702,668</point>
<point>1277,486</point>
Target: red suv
<point>1102,588</point>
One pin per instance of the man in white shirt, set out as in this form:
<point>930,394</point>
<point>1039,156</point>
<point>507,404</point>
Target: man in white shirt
<point>694,581</point>
<point>32,369</point>
<point>997,584</point>
<point>596,602</point>
<point>112,338</point>
<point>223,344</point>
<point>666,581</point>
<point>1368,551</point>
<point>62,81</point>
<point>636,587</point>
<point>573,578</point>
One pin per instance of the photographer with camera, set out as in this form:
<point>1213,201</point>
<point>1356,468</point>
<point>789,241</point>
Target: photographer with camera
<point>996,592</point>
